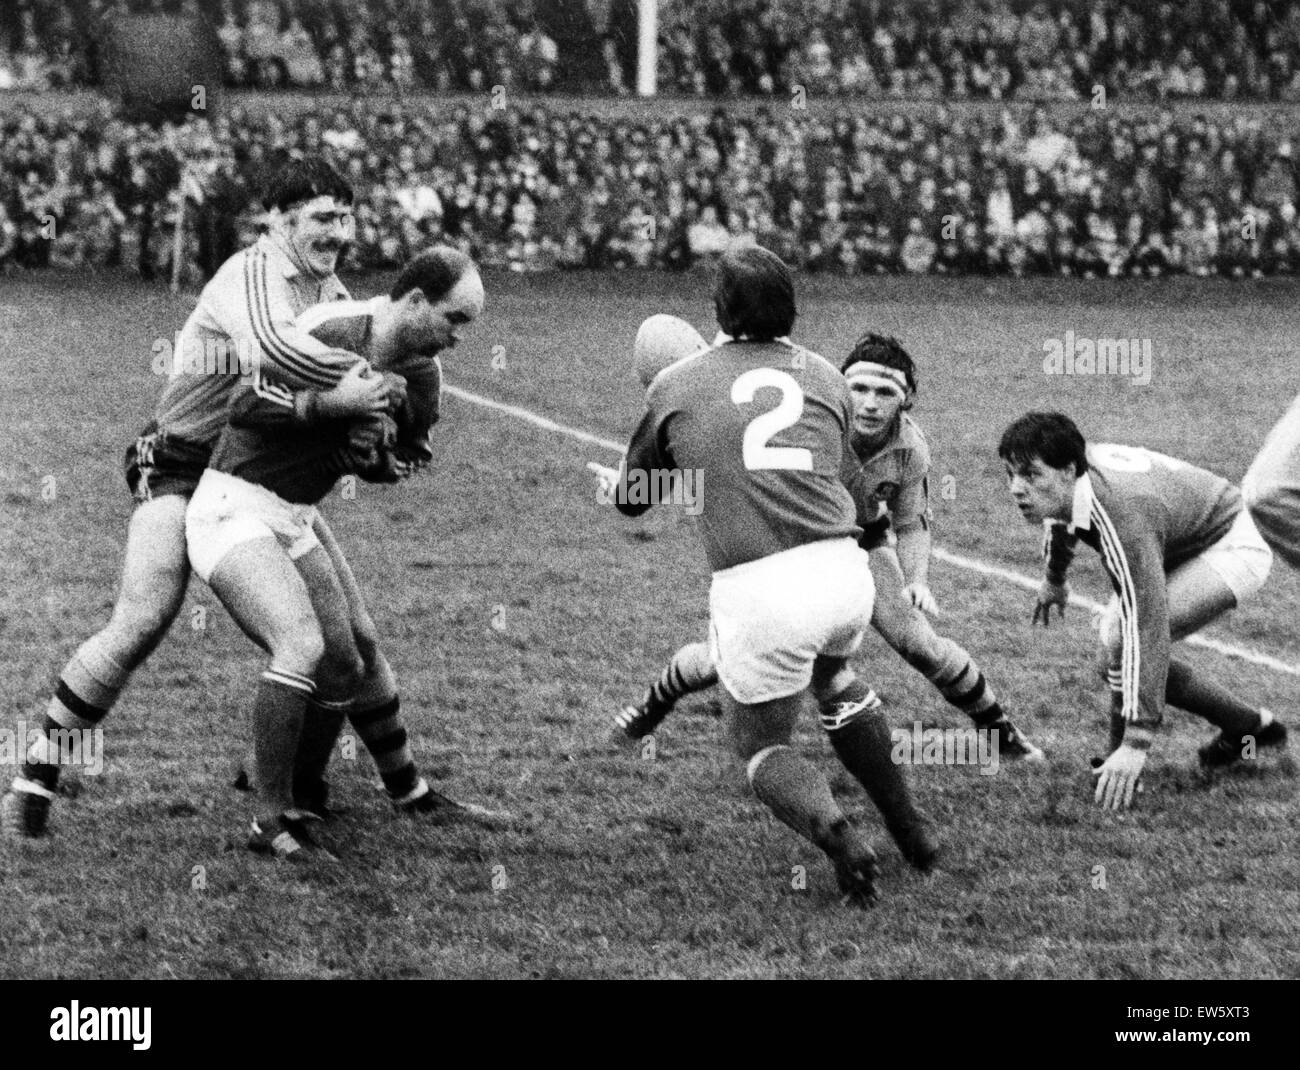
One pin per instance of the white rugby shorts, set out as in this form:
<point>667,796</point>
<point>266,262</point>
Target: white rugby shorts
<point>226,511</point>
<point>1241,559</point>
<point>769,619</point>
<point>1272,487</point>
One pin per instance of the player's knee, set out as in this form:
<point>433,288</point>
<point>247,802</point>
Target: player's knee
<point>749,736</point>
<point>830,679</point>
<point>340,673</point>
<point>917,648</point>
<point>299,647</point>
<point>366,638</point>
<point>139,621</point>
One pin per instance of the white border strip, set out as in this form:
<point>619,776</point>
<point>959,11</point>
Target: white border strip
<point>1254,657</point>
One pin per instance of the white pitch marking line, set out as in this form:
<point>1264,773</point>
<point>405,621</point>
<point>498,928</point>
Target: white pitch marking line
<point>1019,579</point>
<point>1029,584</point>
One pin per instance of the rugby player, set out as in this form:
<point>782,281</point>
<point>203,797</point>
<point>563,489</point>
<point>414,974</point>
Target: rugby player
<point>248,308</point>
<point>251,536</point>
<point>790,599</point>
<point>1271,488</point>
<point>1179,550</point>
<point>890,490</point>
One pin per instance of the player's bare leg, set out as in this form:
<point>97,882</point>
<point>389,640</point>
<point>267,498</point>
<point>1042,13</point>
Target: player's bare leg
<point>155,573</point>
<point>265,594</point>
<point>1197,595</point>
<point>860,737</point>
<point>690,669</point>
<point>797,792</point>
<point>1271,488</point>
<point>375,713</point>
<point>946,665</point>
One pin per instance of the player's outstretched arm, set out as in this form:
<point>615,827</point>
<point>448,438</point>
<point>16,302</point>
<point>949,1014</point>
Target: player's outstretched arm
<point>1132,551</point>
<point>644,455</point>
<point>260,305</point>
<point>1058,553</point>
<point>264,402</point>
<point>913,551</point>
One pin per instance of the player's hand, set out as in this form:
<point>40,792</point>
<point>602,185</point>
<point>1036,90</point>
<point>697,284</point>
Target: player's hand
<point>606,480</point>
<point>395,390</point>
<point>362,392</point>
<point>372,434</point>
<point>1117,777</point>
<point>919,595</point>
<point>1050,594</point>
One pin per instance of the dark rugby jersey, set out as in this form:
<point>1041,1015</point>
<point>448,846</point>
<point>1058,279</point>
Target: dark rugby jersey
<point>267,442</point>
<point>892,486</point>
<point>1145,514</point>
<point>765,426</point>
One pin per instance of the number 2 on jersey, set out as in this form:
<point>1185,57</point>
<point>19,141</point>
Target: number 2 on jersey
<point>754,447</point>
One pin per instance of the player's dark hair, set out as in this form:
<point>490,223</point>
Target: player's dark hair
<point>296,181</point>
<point>1050,437</point>
<point>884,350</point>
<point>433,272</point>
<point>754,295</point>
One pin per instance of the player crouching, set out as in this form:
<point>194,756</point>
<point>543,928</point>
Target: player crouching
<point>1179,550</point>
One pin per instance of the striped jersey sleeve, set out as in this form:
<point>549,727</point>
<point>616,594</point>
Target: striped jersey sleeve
<point>1130,537</point>
<point>253,297</point>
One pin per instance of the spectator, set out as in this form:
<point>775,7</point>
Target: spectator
<point>707,238</point>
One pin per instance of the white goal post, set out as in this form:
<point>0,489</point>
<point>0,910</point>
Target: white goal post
<point>647,51</point>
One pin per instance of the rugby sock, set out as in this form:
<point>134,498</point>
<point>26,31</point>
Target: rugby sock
<point>793,789</point>
<point>691,669</point>
<point>959,680</point>
<point>322,721</point>
<point>1189,690</point>
<point>376,716</point>
<point>86,690</point>
<point>278,712</point>
<point>861,740</point>
<point>381,730</point>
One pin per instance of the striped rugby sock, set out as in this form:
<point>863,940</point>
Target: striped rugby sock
<point>963,685</point>
<point>382,731</point>
<point>87,688</point>
<point>690,669</point>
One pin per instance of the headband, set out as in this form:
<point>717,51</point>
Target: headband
<point>878,375</point>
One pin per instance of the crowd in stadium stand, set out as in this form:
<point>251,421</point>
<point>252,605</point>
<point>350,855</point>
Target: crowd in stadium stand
<point>988,192</point>
<point>954,49</point>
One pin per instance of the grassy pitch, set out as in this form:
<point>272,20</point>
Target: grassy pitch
<point>519,613</point>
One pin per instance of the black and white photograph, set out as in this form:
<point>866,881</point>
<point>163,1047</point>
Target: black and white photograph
<point>651,489</point>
